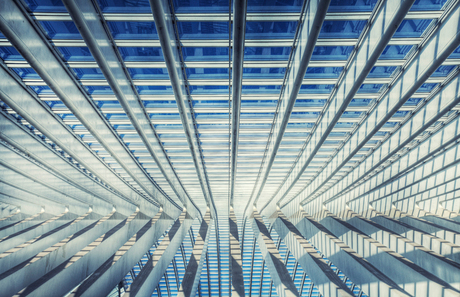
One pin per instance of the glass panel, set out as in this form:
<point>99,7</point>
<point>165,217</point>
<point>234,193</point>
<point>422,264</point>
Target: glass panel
<point>395,52</point>
<point>351,5</point>
<point>133,54</point>
<point>133,30</point>
<point>274,5</point>
<point>148,73</point>
<point>443,71</point>
<point>203,30</point>
<point>75,54</point>
<point>99,90</point>
<point>9,53</point>
<point>88,73</point>
<point>331,52</point>
<point>154,90</point>
<point>412,28</point>
<point>125,6</point>
<point>428,4</point>
<point>270,30</point>
<point>60,30</point>
<point>210,73</point>
<point>305,89</point>
<point>263,72</point>
<point>26,73</point>
<point>455,54</point>
<point>323,72</point>
<point>202,6</point>
<point>342,29</point>
<point>46,5</point>
<point>370,88</point>
<point>266,53</point>
<point>382,71</point>
<point>205,53</point>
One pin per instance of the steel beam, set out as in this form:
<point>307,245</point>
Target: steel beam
<point>82,264</point>
<point>106,277</point>
<point>412,278</point>
<point>433,151</point>
<point>22,32</point>
<point>39,227</point>
<point>15,256</point>
<point>94,32</point>
<point>418,70</point>
<point>11,193</point>
<point>166,33</point>
<point>191,279</point>
<point>239,30</point>
<point>33,146</point>
<point>320,273</point>
<point>236,259</point>
<point>311,23</point>
<point>278,272</point>
<point>60,192</point>
<point>387,17</point>
<point>30,270</point>
<point>152,272</point>
<point>440,266</point>
<point>35,112</point>
<point>371,281</point>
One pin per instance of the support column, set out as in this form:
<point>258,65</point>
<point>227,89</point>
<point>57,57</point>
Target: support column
<point>192,275</point>
<point>282,281</point>
<point>236,259</point>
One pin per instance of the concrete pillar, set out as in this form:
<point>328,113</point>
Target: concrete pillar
<point>282,281</point>
<point>189,284</point>
<point>321,274</point>
<point>410,277</point>
<point>83,263</point>
<point>151,274</point>
<point>236,259</point>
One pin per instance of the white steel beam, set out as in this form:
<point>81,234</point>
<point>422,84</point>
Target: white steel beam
<point>21,31</point>
<point>442,42</point>
<point>388,15</point>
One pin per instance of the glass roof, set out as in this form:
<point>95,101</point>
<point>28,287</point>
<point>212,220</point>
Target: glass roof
<point>203,39</point>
